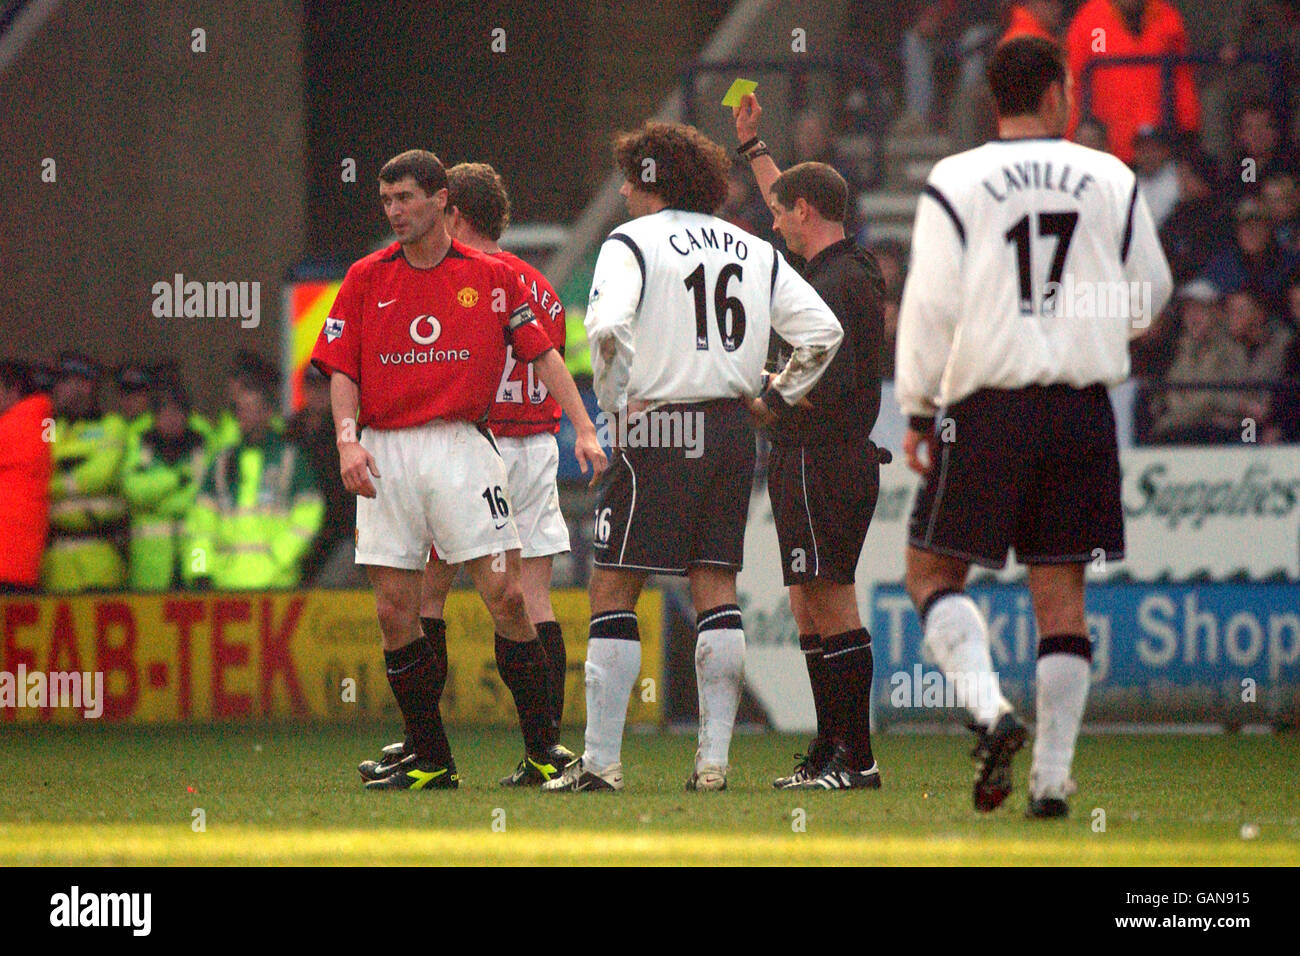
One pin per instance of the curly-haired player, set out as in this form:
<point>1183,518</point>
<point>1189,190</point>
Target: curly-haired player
<point>681,307</point>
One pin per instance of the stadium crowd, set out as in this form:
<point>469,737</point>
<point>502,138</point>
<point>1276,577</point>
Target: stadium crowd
<point>153,496</point>
<point>150,495</point>
<point>1216,157</point>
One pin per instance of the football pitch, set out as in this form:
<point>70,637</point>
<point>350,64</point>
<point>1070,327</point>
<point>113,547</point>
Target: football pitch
<point>290,795</point>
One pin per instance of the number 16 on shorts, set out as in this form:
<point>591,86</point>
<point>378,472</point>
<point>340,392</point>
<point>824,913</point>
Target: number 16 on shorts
<point>498,504</point>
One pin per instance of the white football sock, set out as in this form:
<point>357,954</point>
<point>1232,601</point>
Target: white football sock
<point>611,671</point>
<point>1062,694</point>
<point>719,674</point>
<point>957,641</point>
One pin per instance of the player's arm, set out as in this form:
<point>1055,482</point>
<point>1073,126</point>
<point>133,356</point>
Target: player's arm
<point>355,463</point>
<point>764,167</point>
<point>806,322</point>
<point>1144,260</point>
<point>927,321</point>
<point>532,344</point>
<point>337,353</point>
<point>610,321</point>
<point>550,368</point>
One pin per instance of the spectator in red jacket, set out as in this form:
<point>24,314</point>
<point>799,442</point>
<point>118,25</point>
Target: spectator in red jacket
<point>1034,18</point>
<point>26,421</point>
<point>1126,98</point>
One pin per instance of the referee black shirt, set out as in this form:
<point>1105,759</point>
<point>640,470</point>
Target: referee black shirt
<point>846,399</point>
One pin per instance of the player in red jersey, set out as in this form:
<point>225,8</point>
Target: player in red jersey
<point>415,345</point>
<point>524,420</point>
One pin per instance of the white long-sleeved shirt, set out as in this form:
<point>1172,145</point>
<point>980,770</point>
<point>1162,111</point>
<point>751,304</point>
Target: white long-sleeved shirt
<point>1033,262</point>
<point>681,308</point>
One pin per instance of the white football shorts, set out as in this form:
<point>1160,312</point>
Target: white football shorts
<point>442,484</point>
<point>531,463</point>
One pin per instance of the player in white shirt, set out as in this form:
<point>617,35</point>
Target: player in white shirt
<point>1034,261</point>
<point>681,307</point>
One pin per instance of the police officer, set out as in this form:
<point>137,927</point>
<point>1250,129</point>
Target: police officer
<point>164,467</point>
<point>87,513</point>
<point>260,506</point>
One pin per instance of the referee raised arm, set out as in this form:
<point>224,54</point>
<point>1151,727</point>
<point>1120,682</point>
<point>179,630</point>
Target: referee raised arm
<point>824,471</point>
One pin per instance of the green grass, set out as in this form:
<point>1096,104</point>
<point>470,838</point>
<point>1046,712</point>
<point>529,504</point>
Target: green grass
<point>291,795</point>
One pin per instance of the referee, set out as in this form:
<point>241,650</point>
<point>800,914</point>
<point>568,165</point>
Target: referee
<point>824,471</point>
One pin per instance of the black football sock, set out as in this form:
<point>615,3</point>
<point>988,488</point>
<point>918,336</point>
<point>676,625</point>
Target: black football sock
<point>524,670</point>
<point>416,680</point>
<point>557,663</point>
<point>435,632</point>
<point>819,678</point>
<point>849,667</point>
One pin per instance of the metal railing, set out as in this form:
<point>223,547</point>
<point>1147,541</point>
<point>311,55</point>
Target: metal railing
<point>1146,413</point>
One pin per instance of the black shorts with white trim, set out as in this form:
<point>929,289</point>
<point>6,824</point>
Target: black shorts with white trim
<point>1033,468</point>
<point>677,494</point>
<point>823,497</point>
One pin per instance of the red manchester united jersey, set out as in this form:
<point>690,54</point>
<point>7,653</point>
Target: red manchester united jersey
<point>523,406</point>
<point>428,343</point>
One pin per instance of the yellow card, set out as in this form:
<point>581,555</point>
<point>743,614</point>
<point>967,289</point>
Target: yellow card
<point>738,92</point>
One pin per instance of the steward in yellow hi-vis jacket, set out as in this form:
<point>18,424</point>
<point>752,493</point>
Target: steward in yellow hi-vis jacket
<point>87,513</point>
<point>260,506</point>
<point>160,481</point>
<point>224,431</point>
<point>133,386</point>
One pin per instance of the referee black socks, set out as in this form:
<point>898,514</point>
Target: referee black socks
<point>848,662</point>
<point>523,668</point>
<point>819,677</point>
<point>557,665</point>
<point>417,678</point>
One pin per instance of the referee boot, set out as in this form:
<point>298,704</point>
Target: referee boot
<point>419,775</point>
<point>535,770</point>
<point>391,758</point>
<point>840,773</point>
<point>809,765</point>
<point>993,753</point>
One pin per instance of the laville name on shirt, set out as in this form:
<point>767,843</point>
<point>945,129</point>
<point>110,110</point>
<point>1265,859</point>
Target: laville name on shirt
<point>1032,174</point>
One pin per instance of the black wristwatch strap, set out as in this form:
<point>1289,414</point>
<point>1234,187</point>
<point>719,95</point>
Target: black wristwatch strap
<point>777,405</point>
<point>746,146</point>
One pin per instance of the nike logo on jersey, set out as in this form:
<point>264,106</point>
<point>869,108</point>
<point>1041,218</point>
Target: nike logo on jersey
<point>384,305</point>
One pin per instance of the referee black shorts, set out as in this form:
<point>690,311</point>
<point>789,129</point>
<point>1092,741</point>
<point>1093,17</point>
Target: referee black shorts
<point>666,505</point>
<point>822,498</point>
<point>1035,468</point>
